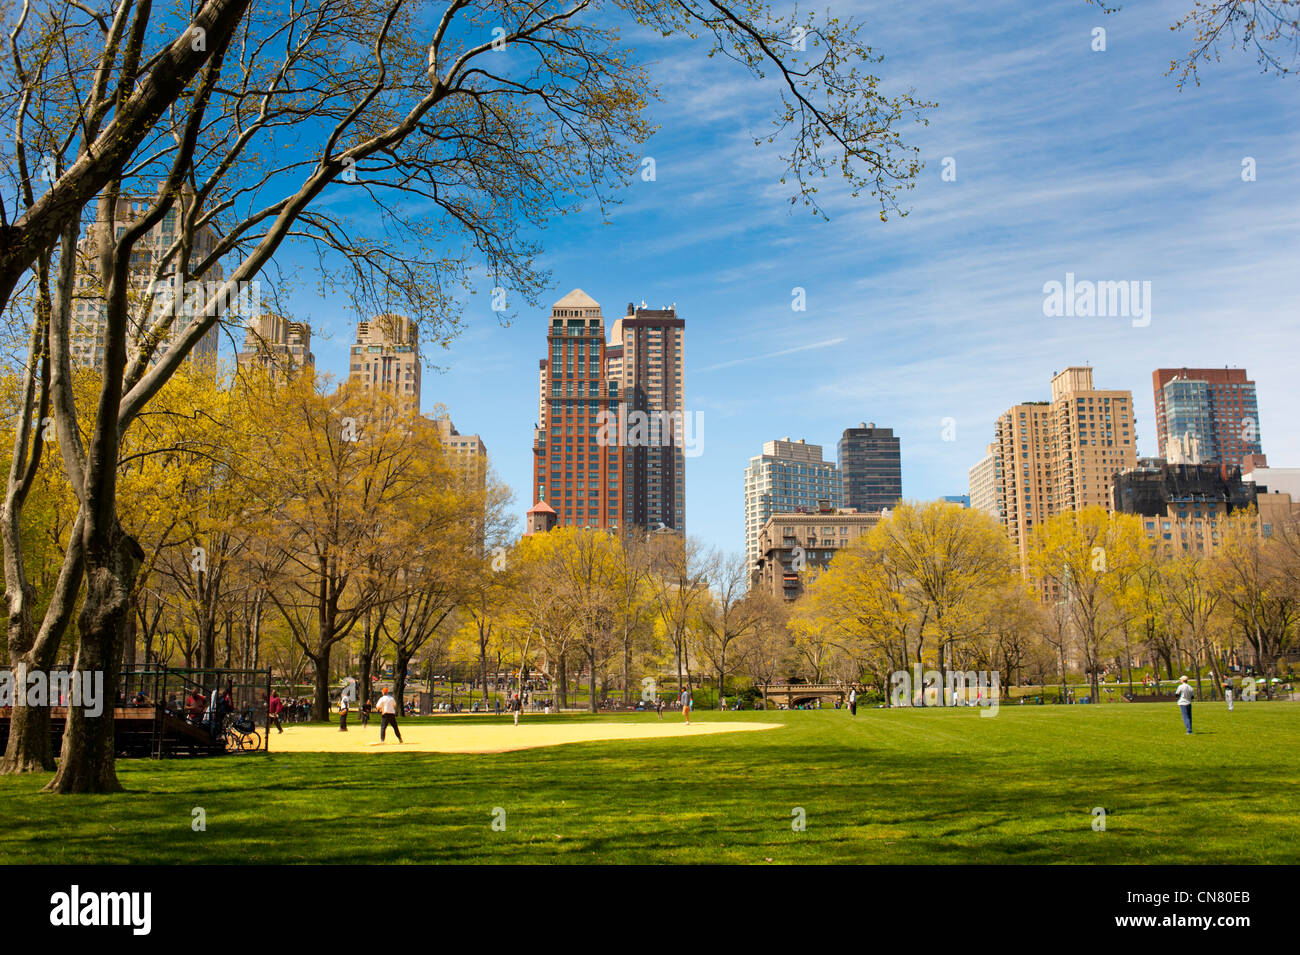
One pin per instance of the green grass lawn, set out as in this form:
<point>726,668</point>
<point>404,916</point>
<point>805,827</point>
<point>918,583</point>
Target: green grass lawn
<point>915,786</point>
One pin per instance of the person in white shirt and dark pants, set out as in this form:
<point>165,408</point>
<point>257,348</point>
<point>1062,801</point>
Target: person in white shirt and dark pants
<point>387,707</point>
<point>1185,694</point>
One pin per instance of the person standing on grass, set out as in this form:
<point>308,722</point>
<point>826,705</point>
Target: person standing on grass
<point>659,706</point>
<point>853,701</point>
<point>273,707</point>
<point>387,707</point>
<point>517,705</point>
<point>685,701</point>
<point>1185,694</point>
<point>1227,693</point>
<point>343,714</point>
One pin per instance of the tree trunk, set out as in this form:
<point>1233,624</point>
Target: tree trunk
<point>320,707</point>
<point>722,676</point>
<point>369,646</point>
<point>920,669</point>
<point>627,661</point>
<point>128,656</point>
<point>1128,659</point>
<point>401,663</point>
<point>87,762</point>
<point>28,749</point>
<point>591,682</point>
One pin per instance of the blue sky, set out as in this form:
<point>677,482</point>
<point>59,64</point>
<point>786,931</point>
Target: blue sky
<point>1067,160</point>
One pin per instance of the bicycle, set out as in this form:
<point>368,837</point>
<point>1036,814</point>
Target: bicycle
<point>240,732</point>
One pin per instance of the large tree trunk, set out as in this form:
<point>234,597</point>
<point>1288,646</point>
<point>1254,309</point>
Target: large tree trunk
<point>325,619</point>
<point>722,677</point>
<point>28,749</point>
<point>320,706</point>
<point>87,762</point>
<point>401,664</point>
<point>207,646</point>
<point>627,661</point>
<point>369,646</point>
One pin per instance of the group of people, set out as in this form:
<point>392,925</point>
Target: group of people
<point>385,706</point>
<point>207,710</point>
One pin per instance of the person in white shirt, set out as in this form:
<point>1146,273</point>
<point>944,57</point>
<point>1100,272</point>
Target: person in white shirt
<point>1185,694</point>
<point>853,701</point>
<point>387,707</point>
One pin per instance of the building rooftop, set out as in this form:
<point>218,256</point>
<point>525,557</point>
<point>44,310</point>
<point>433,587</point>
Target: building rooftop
<point>577,299</point>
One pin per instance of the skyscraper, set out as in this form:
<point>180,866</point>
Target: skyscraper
<point>1063,455</point>
<point>789,476</point>
<point>1211,409</point>
<point>277,344</point>
<point>645,358</point>
<point>870,467</point>
<point>386,358</point>
<point>574,472</point>
<point>984,479</point>
<point>152,280</point>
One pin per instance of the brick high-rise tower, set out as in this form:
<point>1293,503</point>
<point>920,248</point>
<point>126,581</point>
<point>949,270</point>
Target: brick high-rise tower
<point>573,472</point>
<point>1062,455</point>
<point>1213,409</point>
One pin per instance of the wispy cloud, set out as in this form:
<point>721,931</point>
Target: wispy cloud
<point>770,355</point>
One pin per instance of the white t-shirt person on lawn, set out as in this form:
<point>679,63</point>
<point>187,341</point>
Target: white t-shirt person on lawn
<point>1185,694</point>
<point>387,707</point>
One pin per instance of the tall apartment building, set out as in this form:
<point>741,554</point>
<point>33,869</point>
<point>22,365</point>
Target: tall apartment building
<point>985,477</point>
<point>645,357</point>
<point>870,467</point>
<point>277,344</point>
<point>789,476</point>
<point>1062,455</point>
<point>1213,409</point>
<point>575,473</point>
<point>386,358</point>
<point>149,286</point>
